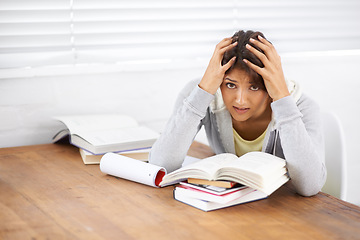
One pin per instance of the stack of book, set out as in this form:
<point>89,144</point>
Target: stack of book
<point>260,172</point>
<point>209,197</point>
<point>96,135</point>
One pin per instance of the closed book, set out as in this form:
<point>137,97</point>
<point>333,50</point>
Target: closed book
<point>210,206</point>
<point>89,158</point>
<point>213,189</point>
<point>223,184</point>
<point>218,197</point>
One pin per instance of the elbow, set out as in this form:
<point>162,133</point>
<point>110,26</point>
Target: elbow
<point>308,191</point>
<point>305,189</point>
<point>309,182</point>
<point>310,186</point>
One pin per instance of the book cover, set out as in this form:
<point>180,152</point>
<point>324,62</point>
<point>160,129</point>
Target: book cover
<point>89,158</point>
<point>210,206</point>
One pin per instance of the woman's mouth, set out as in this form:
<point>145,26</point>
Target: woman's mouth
<point>241,110</point>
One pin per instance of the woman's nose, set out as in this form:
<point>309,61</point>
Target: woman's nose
<point>240,97</point>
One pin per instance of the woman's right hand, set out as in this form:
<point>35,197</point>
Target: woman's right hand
<point>215,72</point>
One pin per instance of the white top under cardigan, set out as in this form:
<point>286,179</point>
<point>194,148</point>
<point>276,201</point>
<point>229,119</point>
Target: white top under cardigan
<point>295,134</point>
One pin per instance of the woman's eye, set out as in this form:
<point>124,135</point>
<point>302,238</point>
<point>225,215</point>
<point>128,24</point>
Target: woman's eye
<point>230,85</point>
<point>254,88</point>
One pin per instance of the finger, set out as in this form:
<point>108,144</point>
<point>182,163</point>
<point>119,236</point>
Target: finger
<point>223,43</point>
<point>264,41</point>
<point>264,45</point>
<point>228,64</point>
<point>227,48</point>
<point>263,58</point>
<point>254,67</point>
<point>259,44</point>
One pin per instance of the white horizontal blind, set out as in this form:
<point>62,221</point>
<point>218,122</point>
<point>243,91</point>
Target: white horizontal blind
<point>304,25</point>
<point>34,33</point>
<point>121,31</point>
<point>76,33</point>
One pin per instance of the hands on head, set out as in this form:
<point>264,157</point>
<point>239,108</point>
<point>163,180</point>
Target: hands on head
<point>271,71</point>
<point>215,72</point>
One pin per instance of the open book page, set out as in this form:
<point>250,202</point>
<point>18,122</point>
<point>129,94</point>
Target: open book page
<point>267,186</point>
<point>256,169</point>
<point>119,135</point>
<point>270,188</point>
<point>259,163</point>
<point>83,123</point>
<point>204,169</point>
<point>131,169</point>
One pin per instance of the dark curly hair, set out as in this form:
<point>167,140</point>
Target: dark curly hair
<point>241,52</point>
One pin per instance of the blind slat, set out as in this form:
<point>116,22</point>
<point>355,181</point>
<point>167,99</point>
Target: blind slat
<point>23,42</point>
<point>49,33</point>
<point>33,29</point>
<point>37,58</point>
<point>34,4</point>
<point>32,16</point>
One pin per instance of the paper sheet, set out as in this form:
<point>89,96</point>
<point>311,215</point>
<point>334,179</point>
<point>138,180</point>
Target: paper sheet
<point>131,169</point>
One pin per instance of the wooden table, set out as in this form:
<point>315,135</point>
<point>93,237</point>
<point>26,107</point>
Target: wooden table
<point>48,193</point>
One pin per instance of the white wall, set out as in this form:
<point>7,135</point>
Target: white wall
<point>333,81</point>
<point>27,105</point>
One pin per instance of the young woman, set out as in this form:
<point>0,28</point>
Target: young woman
<point>245,104</point>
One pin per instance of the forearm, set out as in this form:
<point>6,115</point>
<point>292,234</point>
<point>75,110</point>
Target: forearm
<point>172,146</point>
<point>302,145</point>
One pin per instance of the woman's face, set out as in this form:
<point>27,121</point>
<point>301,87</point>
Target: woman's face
<point>245,100</point>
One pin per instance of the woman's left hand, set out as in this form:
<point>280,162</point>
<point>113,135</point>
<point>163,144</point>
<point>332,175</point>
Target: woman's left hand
<point>272,71</point>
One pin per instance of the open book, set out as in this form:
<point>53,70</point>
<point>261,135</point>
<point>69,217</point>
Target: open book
<point>99,134</point>
<point>258,170</point>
